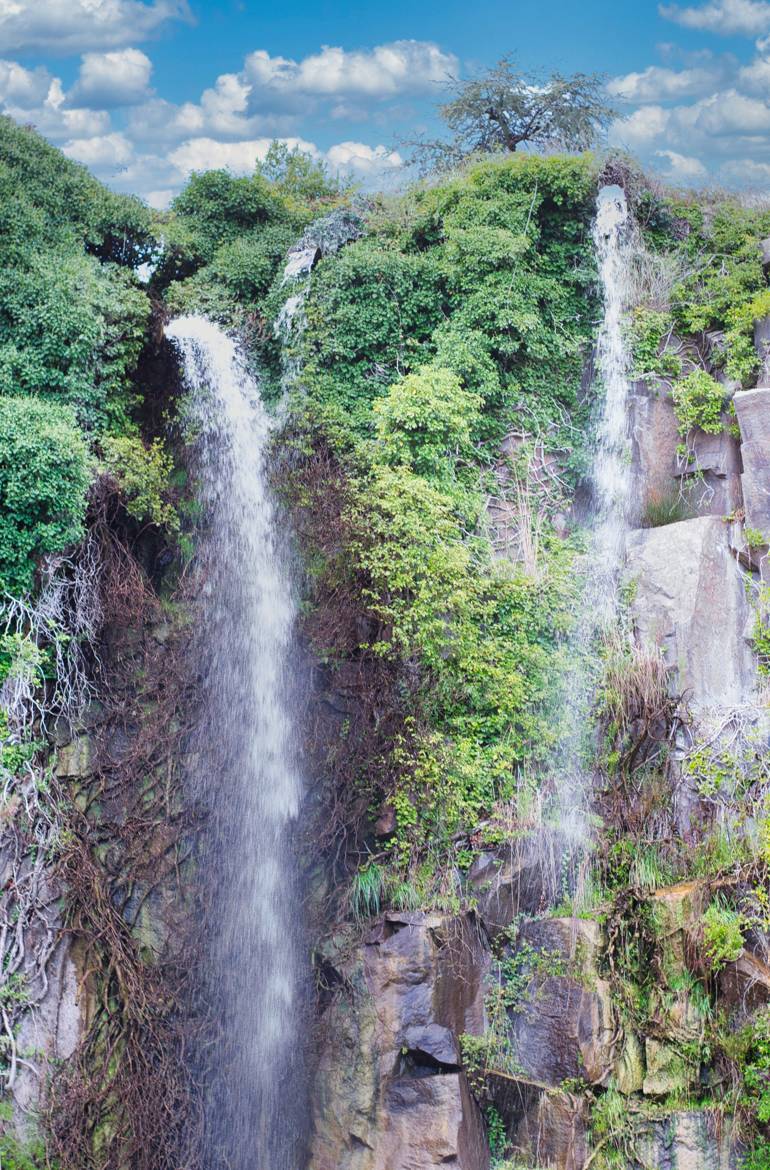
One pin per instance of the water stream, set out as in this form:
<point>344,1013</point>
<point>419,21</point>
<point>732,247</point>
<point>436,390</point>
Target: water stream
<point>613,238</point>
<point>244,770</point>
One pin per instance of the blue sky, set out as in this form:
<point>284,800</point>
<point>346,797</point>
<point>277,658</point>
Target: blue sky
<point>144,91</point>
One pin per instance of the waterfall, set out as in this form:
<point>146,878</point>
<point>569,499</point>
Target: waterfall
<point>614,246</point>
<point>611,478</point>
<point>243,769</point>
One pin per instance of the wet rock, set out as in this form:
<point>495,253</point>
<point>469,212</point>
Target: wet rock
<point>753,410</point>
<point>389,1093</point>
<point>546,1127</point>
<point>667,1071</point>
<point>688,1140</point>
<point>565,1026</point>
<point>74,760</point>
<point>689,599</point>
<point>744,986</point>
<point>51,1032</point>
<point>708,486</point>
<point>629,1066</point>
<point>762,346</point>
<point>522,877</point>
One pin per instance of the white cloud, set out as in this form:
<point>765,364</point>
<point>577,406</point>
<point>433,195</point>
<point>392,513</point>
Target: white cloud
<point>728,113</point>
<point>682,168</point>
<point>72,26</point>
<point>745,172</point>
<point>406,66</point>
<point>639,129</point>
<point>24,88</point>
<point>748,18</point>
<point>362,159</point>
<point>202,154</point>
<point>120,78</point>
<point>34,96</point>
<point>103,152</point>
<point>657,84</point>
<point>160,200</point>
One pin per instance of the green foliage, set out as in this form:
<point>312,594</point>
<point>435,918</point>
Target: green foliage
<point>757,1158</point>
<point>45,471</point>
<point>48,200</point>
<point>142,473</point>
<point>216,208</point>
<point>664,508</point>
<point>367,890</point>
<point>72,330</point>
<point>426,422</point>
<point>698,402</point>
<point>724,286</point>
<point>722,936</point>
<point>752,1050</point>
<point>506,107</point>
<point>295,174</point>
<point>650,330</point>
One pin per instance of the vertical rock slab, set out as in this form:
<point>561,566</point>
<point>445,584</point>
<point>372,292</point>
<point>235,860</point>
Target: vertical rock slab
<point>688,1140</point>
<point>390,1093</point>
<point>690,600</point>
<point>753,410</point>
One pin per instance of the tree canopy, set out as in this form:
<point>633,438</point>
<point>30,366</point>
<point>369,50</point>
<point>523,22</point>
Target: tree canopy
<point>506,107</point>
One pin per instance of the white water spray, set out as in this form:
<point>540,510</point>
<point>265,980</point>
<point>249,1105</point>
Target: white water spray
<point>244,768</point>
<point>613,244</point>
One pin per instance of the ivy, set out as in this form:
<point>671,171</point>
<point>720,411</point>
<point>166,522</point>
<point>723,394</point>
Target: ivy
<point>45,471</point>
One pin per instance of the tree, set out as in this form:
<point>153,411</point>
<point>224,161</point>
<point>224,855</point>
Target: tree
<point>506,107</point>
<point>297,173</point>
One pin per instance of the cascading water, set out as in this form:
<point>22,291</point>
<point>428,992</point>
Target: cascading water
<point>613,243</point>
<point>244,770</point>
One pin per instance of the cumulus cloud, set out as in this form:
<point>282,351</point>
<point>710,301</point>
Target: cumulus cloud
<point>362,159</point>
<point>406,66</point>
<point>658,84</point>
<point>749,18</point>
<point>202,154</point>
<point>682,168</point>
<point>119,78</point>
<point>102,152</point>
<point>745,172</point>
<point>639,129</point>
<point>34,96</point>
<point>72,26</point>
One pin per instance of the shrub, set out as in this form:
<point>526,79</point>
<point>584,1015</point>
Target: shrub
<point>722,935</point>
<point>663,508</point>
<point>142,474</point>
<point>698,402</point>
<point>45,472</point>
<point>427,421</point>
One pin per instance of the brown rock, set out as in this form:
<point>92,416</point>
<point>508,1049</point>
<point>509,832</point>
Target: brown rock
<point>389,1092</point>
<point>565,1028</point>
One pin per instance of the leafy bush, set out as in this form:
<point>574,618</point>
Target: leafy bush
<point>722,935</point>
<point>72,329</point>
<point>45,472</point>
<point>427,421</point>
<point>45,197</point>
<point>142,474</point>
<point>698,402</point>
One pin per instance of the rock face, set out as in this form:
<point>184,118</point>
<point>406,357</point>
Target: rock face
<point>753,410</point>
<point>689,599</point>
<point>523,876</point>
<point>564,1029</point>
<point>709,486</point>
<point>689,1140</point>
<point>390,1094</point>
